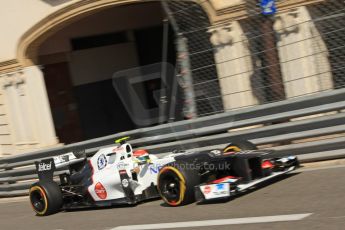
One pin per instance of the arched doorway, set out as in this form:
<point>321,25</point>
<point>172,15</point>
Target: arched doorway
<point>79,60</point>
<point>79,55</point>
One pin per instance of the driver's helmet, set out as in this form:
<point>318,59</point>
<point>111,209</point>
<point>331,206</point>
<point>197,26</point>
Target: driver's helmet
<point>142,156</point>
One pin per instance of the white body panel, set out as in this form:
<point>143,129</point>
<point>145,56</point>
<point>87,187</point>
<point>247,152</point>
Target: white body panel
<point>107,163</point>
<point>213,191</point>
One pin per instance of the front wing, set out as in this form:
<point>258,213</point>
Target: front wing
<point>231,186</point>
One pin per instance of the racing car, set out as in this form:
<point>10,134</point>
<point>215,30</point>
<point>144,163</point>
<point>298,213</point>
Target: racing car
<point>119,175</point>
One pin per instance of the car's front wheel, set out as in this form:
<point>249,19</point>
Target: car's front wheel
<point>176,184</point>
<point>238,146</point>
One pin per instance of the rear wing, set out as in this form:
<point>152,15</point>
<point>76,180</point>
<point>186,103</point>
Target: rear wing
<point>45,168</point>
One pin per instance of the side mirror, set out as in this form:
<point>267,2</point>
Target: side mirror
<point>110,154</point>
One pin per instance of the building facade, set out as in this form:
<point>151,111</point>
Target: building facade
<point>58,58</point>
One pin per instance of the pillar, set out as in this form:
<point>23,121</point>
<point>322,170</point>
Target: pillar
<point>303,54</point>
<point>30,125</point>
<point>234,65</point>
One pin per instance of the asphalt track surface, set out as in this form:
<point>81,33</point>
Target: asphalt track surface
<point>310,199</point>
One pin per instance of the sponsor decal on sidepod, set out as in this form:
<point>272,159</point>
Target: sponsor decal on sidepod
<point>101,162</point>
<point>100,191</point>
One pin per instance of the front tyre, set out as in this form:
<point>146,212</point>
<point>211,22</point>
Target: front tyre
<point>176,185</point>
<point>45,198</point>
<point>238,146</point>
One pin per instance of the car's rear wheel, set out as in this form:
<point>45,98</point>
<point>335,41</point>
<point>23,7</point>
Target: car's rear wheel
<point>176,184</point>
<point>45,198</point>
<point>238,146</point>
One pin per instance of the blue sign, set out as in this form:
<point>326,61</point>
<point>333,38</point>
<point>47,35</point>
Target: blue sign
<point>268,7</point>
<point>220,186</point>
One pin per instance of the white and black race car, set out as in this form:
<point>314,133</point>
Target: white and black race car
<point>119,175</point>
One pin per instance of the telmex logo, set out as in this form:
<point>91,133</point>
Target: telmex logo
<point>122,166</point>
<point>44,167</point>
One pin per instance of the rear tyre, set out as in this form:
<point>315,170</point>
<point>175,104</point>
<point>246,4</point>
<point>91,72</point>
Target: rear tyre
<point>238,146</point>
<point>45,198</point>
<point>176,184</point>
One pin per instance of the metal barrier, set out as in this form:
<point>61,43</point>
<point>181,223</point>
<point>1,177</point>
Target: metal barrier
<point>278,124</point>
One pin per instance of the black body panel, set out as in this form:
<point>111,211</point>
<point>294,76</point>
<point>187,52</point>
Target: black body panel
<point>246,165</point>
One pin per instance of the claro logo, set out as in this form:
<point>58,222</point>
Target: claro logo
<point>100,191</point>
<point>44,167</point>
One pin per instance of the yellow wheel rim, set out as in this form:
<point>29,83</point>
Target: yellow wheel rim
<point>232,147</point>
<point>42,192</point>
<point>182,185</point>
